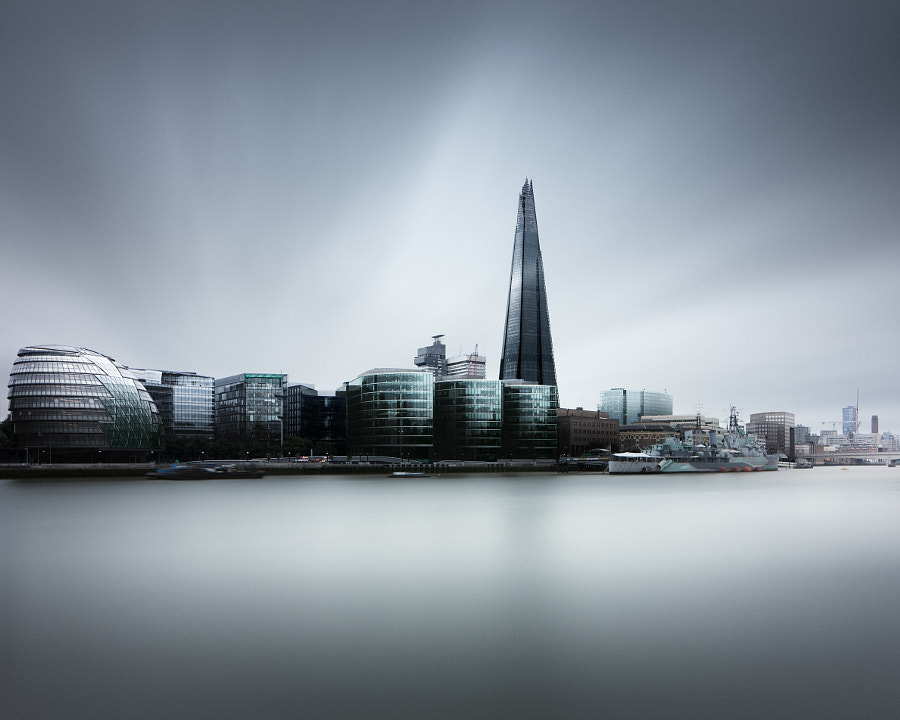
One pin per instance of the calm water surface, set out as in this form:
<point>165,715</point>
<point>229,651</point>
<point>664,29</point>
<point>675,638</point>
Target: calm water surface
<point>766,595</point>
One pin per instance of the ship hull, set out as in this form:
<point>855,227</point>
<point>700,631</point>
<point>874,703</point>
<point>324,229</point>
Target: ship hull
<point>738,464</point>
<point>631,463</point>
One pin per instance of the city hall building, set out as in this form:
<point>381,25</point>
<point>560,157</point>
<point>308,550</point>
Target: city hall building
<point>70,404</point>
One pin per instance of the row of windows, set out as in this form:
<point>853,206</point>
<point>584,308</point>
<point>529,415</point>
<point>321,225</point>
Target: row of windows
<point>53,379</point>
<point>62,365</point>
<point>49,430</point>
<point>52,414</point>
<point>59,390</point>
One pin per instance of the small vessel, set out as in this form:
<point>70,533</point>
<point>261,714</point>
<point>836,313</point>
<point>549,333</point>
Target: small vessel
<point>634,462</point>
<point>204,471</point>
<point>407,474</point>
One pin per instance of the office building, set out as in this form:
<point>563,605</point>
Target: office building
<point>434,359</point>
<point>529,420</point>
<point>874,424</point>
<point>249,407</point>
<point>803,435</point>
<point>527,346</point>
<point>849,420</point>
<point>296,402</point>
<point>390,414</point>
<point>470,366</point>
<point>579,431</point>
<point>630,406</point>
<point>776,429</point>
<point>71,404</point>
<point>468,419</point>
<point>186,402</point>
<point>315,417</point>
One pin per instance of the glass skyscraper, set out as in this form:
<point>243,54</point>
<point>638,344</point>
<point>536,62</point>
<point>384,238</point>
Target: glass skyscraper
<point>527,347</point>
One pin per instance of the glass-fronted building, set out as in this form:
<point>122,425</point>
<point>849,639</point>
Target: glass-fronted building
<point>186,401</point>
<point>250,406</point>
<point>296,401</point>
<point>529,420</point>
<point>72,404</point>
<point>312,416</point>
<point>390,413</point>
<point>527,347</point>
<point>629,406</point>
<point>849,420</point>
<point>468,419</point>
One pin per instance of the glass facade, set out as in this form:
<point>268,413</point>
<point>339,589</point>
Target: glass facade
<point>629,406</point>
<point>297,400</point>
<point>849,417</point>
<point>194,404</point>
<point>391,413</point>
<point>186,401</point>
<point>468,419</point>
<point>314,417</point>
<point>69,402</point>
<point>527,347</point>
<point>249,406</point>
<point>529,420</point>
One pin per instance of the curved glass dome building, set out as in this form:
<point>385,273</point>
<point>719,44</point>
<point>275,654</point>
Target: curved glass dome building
<point>75,405</point>
<point>390,413</point>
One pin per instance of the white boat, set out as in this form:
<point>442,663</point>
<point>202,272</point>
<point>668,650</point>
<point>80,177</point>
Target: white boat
<point>633,462</point>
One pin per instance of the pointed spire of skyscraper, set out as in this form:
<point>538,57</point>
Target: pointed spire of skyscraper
<point>527,347</point>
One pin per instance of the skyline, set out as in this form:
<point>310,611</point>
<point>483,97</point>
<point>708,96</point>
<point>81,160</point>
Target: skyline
<point>318,190</point>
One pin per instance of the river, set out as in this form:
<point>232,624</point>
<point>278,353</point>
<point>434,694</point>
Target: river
<point>759,595</point>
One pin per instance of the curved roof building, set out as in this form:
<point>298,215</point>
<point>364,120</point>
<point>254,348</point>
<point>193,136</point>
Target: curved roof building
<point>68,402</point>
<point>390,413</point>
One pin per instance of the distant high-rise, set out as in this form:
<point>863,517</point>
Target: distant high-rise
<point>849,420</point>
<point>527,347</point>
<point>434,359</point>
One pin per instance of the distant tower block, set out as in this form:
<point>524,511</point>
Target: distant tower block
<point>874,424</point>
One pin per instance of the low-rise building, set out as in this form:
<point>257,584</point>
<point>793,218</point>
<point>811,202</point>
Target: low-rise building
<point>579,431</point>
<point>637,436</point>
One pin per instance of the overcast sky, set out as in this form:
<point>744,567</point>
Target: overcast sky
<point>318,188</point>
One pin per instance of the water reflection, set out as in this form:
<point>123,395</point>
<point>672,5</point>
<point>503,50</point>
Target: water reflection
<point>770,595</point>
